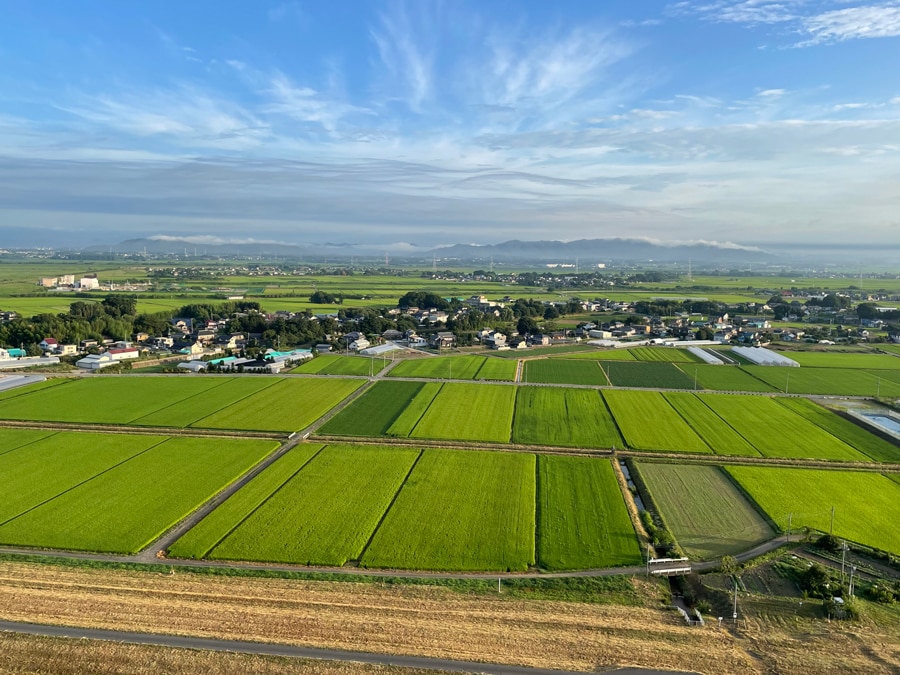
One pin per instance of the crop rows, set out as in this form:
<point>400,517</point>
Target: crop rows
<point>564,417</point>
<point>648,422</point>
<point>664,355</point>
<point>456,368</point>
<point>334,364</point>
<point>469,412</point>
<point>563,371</point>
<point>647,374</point>
<point>373,413</point>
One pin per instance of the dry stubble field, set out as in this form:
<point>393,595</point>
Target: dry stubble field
<point>429,621</point>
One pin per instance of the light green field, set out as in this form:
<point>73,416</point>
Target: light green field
<point>203,537</point>
<point>408,419</point>
<point>582,519</point>
<point>326,513</point>
<point>289,405</point>
<point>10,439</point>
<point>707,514</point>
<point>563,371</point>
<point>499,370</point>
<point>333,364</point>
<point>725,378</point>
<point>866,505</point>
<point>373,413</point>
<point>125,508</point>
<point>664,355</point>
<point>442,367</point>
<point>603,355</point>
<point>777,431</point>
<point>852,434</point>
<point>648,375</point>
<point>715,431</point>
<point>469,412</point>
<point>567,417</point>
<point>648,422</point>
<point>460,510</point>
<point>837,360</point>
<point>836,381</point>
<point>183,413</point>
<point>30,389</point>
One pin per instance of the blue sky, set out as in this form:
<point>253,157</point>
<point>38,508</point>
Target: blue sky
<point>758,122</point>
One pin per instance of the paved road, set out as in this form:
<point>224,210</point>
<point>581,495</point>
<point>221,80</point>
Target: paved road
<point>242,647</point>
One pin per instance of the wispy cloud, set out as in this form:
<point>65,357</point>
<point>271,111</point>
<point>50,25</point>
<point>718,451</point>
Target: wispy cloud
<point>877,21</point>
<point>406,38</point>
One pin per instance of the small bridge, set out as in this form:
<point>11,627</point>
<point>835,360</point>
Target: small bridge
<point>668,567</point>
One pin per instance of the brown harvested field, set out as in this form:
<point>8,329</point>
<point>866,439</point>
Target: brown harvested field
<point>21,654</point>
<point>433,621</point>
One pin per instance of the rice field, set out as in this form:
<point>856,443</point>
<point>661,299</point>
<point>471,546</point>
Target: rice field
<point>10,439</point>
<point>648,422</point>
<point>835,381</point>
<point>866,505</point>
<point>565,417</point>
<point>563,371</point>
<point>460,510</point>
<point>582,519</point>
<point>469,412</point>
<point>440,367</point>
<point>725,378</point>
<point>373,413</point>
<point>133,496</point>
<point>861,361</point>
<point>647,375</point>
<point>664,355</point>
<point>602,355</point>
<point>499,370</point>
<point>709,516</point>
<point>408,419</point>
<point>852,434</point>
<point>715,431</point>
<point>335,364</point>
<point>326,512</point>
<point>777,431</point>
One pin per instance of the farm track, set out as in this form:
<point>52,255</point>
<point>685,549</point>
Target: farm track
<point>148,431</point>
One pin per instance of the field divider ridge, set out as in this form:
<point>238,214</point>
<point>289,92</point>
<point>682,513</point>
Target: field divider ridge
<point>352,396</point>
<point>139,430</point>
<point>390,505</point>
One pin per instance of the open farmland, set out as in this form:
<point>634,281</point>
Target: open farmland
<point>725,378</point>
<point>408,419</point>
<point>460,510</point>
<point>563,371</point>
<point>203,537</point>
<point>469,412</point>
<point>777,431</point>
<point>703,508</point>
<point>10,439</point>
<point>375,411</point>
<point>127,506</point>
<point>582,519</point>
<point>837,381</point>
<point>30,389</point>
<point>183,413</point>
<point>289,405</point>
<point>715,431</point>
<point>648,422</point>
<point>647,374</point>
<point>602,355</point>
<point>852,434</point>
<point>326,513</point>
<point>866,505</point>
<point>567,417</point>
<point>664,355</point>
<point>839,360</point>
<point>440,367</point>
<point>334,364</point>
<point>499,370</point>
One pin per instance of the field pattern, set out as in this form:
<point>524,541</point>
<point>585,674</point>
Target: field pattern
<point>10,439</point>
<point>810,494</point>
<point>853,361</point>
<point>442,367</point>
<point>499,370</point>
<point>725,378</point>
<point>326,513</point>
<point>29,389</point>
<point>334,364</point>
<point>374,412</point>
<point>582,519</point>
<point>603,355</point>
<point>460,510</point>
<point>845,381</point>
<point>203,537</point>
<point>707,514</point>
<point>647,374</point>
<point>407,420</point>
<point>127,507</point>
<point>469,412</point>
<point>187,411</point>
<point>664,355</point>
<point>648,422</point>
<point>715,431</point>
<point>566,417</point>
<point>290,405</point>
<point>563,371</point>
<point>875,447</point>
<point>777,431</point>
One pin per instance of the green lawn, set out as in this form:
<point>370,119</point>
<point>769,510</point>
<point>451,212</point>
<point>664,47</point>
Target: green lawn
<point>469,412</point>
<point>567,417</point>
<point>125,508</point>
<point>326,513</point>
<point>866,505</point>
<point>460,510</point>
<point>582,519</point>
<point>708,515</point>
<point>648,422</point>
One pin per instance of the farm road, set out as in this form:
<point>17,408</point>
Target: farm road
<point>259,648</point>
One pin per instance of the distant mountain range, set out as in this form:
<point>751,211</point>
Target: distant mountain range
<point>586,251</point>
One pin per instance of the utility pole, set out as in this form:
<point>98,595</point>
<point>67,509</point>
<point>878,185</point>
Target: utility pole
<point>852,570</point>
<point>790,521</point>
<point>843,559</point>
<point>734,610</point>
<point>831,529</point>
